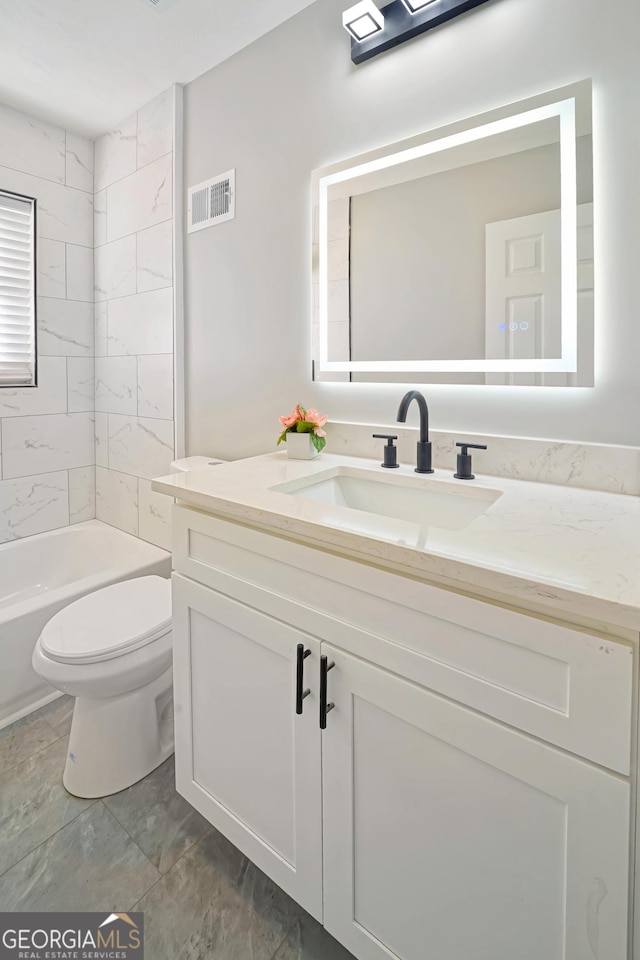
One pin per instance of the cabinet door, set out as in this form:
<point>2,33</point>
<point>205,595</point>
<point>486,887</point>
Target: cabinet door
<point>448,836</point>
<point>244,758</point>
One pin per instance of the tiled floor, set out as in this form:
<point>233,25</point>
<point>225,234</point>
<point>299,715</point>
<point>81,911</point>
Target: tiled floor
<point>143,849</point>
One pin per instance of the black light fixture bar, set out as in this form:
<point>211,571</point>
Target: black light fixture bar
<point>400,25</point>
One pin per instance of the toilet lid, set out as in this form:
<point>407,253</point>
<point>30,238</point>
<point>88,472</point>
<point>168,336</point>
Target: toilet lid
<point>109,622</point>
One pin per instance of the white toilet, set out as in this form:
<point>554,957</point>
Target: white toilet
<point>112,650</point>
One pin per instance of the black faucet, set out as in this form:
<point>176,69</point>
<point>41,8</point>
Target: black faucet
<point>424,444</point>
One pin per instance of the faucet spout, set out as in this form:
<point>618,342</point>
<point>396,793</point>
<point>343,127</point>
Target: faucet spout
<point>424,444</point>
<point>424,412</point>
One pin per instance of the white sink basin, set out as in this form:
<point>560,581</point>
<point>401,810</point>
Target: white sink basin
<point>424,501</point>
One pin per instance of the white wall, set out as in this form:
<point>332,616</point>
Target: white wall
<point>293,101</point>
<point>47,452</point>
<point>134,319</point>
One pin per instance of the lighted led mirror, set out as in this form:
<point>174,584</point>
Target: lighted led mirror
<point>463,255</point>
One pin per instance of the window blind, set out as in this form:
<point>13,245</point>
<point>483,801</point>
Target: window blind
<point>17,290</point>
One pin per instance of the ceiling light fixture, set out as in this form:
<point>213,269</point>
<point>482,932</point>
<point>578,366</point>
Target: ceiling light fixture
<point>373,31</point>
<point>363,20</point>
<point>414,6</point>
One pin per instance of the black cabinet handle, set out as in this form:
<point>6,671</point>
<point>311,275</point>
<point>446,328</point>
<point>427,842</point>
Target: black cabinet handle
<point>301,656</point>
<point>324,706</point>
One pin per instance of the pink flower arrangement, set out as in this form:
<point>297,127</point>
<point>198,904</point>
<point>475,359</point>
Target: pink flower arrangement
<point>305,421</point>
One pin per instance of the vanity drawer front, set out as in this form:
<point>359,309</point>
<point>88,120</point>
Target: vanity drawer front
<point>564,686</point>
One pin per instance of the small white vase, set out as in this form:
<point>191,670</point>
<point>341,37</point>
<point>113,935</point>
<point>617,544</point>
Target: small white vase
<point>300,447</point>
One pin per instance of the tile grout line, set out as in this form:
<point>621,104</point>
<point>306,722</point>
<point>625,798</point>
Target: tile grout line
<point>125,236</point>
<point>133,840</point>
<point>47,473</point>
<point>57,183</point>
<point>125,176</point>
<point>80,813</point>
<point>164,875</point>
<point>90,805</point>
<point>48,722</point>
<point>122,296</point>
<point>154,884</point>
<point>58,738</point>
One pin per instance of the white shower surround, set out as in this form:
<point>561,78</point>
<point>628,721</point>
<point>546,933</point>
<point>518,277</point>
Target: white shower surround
<point>46,433</point>
<point>50,437</point>
<point>137,313</point>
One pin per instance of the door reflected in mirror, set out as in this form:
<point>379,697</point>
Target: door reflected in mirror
<point>464,255</point>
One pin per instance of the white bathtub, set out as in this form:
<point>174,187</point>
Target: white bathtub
<point>40,575</point>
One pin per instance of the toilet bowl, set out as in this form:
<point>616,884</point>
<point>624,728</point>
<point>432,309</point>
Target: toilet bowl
<point>112,651</point>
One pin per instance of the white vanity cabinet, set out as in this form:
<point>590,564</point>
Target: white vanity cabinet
<point>448,835</point>
<point>244,758</point>
<point>469,798</point>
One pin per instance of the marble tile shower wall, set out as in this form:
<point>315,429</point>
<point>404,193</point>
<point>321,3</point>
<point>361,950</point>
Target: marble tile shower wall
<point>46,433</point>
<point>133,230</point>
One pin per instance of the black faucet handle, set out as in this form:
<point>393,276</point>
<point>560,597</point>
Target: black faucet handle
<point>390,452</point>
<point>463,463</point>
<point>471,446</point>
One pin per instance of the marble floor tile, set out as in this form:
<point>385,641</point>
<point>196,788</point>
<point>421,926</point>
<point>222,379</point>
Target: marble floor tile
<point>308,940</point>
<point>91,864</point>
<point>145,847</point>
<point>59,714</point>
<point>160,821</point>
<point>23,739</point>
<point>215,904</point>
<point>33,803</point>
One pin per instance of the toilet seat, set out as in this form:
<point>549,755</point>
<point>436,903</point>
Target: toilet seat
<point>110,622</point>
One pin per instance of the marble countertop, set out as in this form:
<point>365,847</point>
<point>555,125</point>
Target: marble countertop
<point>560,548</point>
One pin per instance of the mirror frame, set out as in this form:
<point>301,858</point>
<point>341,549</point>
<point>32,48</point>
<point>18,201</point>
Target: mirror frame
<point>560,104</point>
